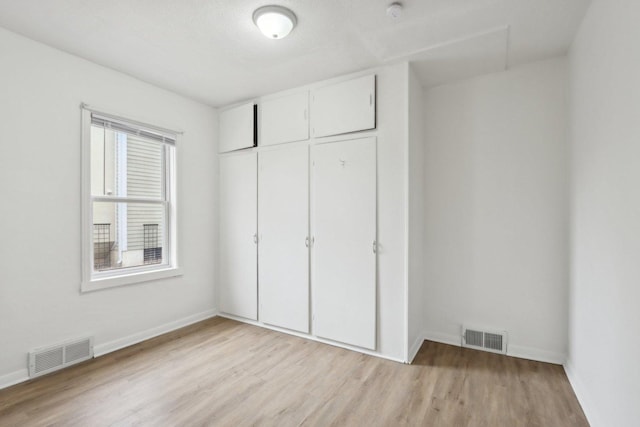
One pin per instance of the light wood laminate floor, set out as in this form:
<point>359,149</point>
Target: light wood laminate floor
<point>222,372</point>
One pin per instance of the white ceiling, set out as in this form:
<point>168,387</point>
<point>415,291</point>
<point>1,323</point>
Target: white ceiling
<point>211,51</point>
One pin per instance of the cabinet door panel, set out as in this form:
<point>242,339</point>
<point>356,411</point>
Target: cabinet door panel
<point>238,223</point>
<point>344,231</point>
<point>283,224</point>
<point>284,119</point>
<point>236,128</point>
<point>344,107</point>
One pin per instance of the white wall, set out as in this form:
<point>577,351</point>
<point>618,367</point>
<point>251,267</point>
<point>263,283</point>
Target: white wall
<point>604,323</point>
<point>415,258</point>
<point>496,208</point>
<point>40,271</point>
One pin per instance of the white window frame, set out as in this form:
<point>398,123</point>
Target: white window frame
<point>91,280</point>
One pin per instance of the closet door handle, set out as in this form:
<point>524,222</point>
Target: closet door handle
<point>306,241</point>
<point>375,247</point>
<point>255,238</point>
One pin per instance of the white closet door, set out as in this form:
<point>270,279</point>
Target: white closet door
<point>238,228</point>
<point>283,224</point>
<point>236,128</point>
<point>344,107</point>
<point>284,119</point>
<point>344,231</point>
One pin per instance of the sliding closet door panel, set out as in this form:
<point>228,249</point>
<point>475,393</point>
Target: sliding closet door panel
<point>344,107</point>
<point>344,232</point>
<point>238,227</point>
<point>283,224</point>
<point>236,128</point>
<point>284,119</point>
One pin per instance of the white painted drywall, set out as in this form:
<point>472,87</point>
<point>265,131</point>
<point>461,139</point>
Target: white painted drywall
<point>604,320</point>
<point>391,99</point>
<point>415,174</point>
<point>496,208</point>
<point>40,303</point>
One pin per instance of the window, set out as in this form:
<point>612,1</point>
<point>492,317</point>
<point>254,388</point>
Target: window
<point>129,205</point>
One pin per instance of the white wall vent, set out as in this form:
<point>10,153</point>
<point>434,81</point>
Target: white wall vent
<point>483,339</point>
<point>49,359</point>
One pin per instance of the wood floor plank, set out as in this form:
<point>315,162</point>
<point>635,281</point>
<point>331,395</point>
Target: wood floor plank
<point>221,373</point>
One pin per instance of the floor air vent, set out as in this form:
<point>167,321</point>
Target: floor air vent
<point>49,359</point>
<point>493,341</point>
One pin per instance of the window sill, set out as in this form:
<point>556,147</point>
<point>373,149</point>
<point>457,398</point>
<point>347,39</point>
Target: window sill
<point>129,279</point>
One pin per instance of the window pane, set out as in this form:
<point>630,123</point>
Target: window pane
<point>128,235</point>
<point>124,165</point>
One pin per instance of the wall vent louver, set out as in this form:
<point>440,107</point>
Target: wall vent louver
<point>49,359</point>
<point>482,339</point>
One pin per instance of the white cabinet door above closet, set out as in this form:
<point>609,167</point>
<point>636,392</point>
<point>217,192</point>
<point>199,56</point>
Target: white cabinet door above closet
<point>343,228</point>
<point>284,119</point>
<point>344,107</point>
<point>283,224</point>
<point>237,128</point>
<point>238,235</point>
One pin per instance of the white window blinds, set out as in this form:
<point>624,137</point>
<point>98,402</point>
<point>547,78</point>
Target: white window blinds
<point>134,129</point>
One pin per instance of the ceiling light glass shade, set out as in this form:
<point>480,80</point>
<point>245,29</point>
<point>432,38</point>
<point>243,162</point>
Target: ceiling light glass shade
<point>275,22</point>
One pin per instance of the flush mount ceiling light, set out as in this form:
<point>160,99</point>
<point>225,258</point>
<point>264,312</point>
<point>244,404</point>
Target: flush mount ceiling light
<point>394,10</point>
<point>275,22</point>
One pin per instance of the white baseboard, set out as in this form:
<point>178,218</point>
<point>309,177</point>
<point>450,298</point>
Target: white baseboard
<point>443,338</point>
<point>101,349</point>
<point>14,378</point>
<point>536,354</point>
<point>108,347</point>
<point>312,337</point>
<point>413,350</point>
<point>512,350</point>
<point>581,393</point>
